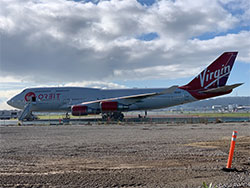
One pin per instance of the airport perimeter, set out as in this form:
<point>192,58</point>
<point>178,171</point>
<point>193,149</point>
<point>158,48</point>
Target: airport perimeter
<point>113,155</point>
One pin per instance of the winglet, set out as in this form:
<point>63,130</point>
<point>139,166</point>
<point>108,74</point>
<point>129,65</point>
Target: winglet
<point>169,90</point>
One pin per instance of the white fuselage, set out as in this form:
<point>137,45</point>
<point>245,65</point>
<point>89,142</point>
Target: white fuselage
<point>62,98</point>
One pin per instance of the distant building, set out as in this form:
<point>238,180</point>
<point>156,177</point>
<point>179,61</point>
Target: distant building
<point>9,114</point>
<point>217,108</point>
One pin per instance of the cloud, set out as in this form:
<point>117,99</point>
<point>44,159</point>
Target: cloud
<point>226,42</point>
<point>8,79</point>
<point>239,8</point>
<point>96,84</point>
<point>5,95</point>
<point>66,41</point>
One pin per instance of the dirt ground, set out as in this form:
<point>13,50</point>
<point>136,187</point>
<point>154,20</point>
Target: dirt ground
<point>145,155</point>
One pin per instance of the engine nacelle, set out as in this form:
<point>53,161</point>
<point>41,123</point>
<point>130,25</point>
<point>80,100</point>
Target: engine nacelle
<point>109,106</point>
<point>80,110</point>
<point>105,106</point>
<point>112,106</point>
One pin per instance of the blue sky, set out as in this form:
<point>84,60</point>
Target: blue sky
<point>119,44</point>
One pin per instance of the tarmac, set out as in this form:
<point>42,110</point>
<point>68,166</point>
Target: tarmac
<point>123,155</point>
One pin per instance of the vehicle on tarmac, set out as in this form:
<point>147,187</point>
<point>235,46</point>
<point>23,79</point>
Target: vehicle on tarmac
<point>111,103</point>
<point>9,114</point>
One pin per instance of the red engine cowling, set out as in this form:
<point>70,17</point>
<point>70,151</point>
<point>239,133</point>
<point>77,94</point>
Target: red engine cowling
<point>79,110</point>
<point>109,106</point>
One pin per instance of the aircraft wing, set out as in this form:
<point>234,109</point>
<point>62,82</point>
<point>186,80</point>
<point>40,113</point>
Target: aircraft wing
<point>222,89</point>
<point>133,97</point>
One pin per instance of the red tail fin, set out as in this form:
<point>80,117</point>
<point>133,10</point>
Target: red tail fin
<point>215,75</point>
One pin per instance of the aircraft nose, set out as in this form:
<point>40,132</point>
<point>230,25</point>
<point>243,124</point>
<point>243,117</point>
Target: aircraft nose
<point>10,102</point>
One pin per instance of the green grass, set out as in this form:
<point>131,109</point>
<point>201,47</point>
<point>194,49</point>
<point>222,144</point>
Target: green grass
<point>219,114</point>
<point>208,186</point>
<point>50,116</point>
<point>191,114</point>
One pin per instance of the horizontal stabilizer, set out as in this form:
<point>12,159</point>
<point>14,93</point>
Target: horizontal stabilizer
<point>222,89</point>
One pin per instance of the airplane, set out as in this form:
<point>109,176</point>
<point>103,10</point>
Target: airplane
<point>111,103</point>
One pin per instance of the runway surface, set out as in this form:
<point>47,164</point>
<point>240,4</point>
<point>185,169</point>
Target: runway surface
<point>145,155</point>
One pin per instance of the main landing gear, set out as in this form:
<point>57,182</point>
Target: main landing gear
<point>113,116</point>
<point>67,116</point>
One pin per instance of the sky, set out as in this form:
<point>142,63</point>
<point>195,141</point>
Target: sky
<point>119,43</point>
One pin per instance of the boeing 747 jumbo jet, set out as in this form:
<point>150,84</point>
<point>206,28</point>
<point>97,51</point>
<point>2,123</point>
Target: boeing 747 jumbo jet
<point>111,103</point>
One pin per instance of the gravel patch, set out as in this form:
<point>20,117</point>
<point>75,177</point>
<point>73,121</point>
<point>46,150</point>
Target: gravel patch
<point>145,155</point>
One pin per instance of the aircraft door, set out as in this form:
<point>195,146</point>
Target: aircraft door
<point>33,99</point>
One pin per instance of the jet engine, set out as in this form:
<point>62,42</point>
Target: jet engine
<point>112,106</point>
<point>103,107</point>
<point>80,110</point>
